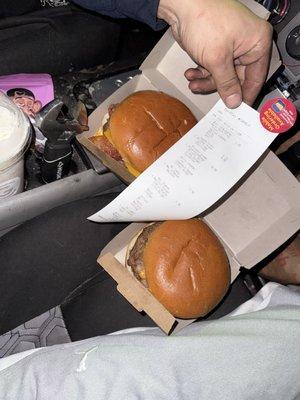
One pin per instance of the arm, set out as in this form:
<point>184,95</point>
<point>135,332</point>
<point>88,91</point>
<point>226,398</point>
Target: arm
<point>140,10</point>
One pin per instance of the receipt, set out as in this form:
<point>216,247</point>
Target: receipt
<point>195,172</point>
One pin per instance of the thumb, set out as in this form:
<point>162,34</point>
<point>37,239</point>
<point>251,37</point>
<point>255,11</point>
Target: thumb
<point>227,82</point>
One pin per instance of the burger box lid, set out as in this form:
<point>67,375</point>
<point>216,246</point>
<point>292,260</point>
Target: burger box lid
<point>260,215</point>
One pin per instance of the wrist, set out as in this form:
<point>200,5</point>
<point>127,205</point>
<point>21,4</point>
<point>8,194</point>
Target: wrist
<point>167,11</point>
<point>175,11</point>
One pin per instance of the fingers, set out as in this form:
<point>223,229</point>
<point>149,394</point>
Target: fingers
<point>227,81</point>
<point>205,85</point>
<point>253,83</point>
<point>257,62</point>
<point>234,82</point>
<point>221,76</point>
<point>200,79</point>
<point>196,73</point>
<point>255,76</point>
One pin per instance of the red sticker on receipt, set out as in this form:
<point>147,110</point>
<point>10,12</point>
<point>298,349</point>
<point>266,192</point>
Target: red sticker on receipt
<point>278,115</point>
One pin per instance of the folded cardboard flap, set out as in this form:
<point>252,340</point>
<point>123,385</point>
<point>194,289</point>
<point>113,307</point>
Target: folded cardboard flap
<point>138,295</point>
<point>126,292</point>
<point>261,215</point>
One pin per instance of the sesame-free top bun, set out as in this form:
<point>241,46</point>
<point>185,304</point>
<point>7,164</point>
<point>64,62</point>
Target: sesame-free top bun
<point>186,267</point>
<point>146,124</point>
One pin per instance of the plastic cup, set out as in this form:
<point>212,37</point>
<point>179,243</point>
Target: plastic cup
<point>15,136</point>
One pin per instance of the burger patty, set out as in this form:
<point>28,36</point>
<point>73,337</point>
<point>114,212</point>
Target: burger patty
<point>135,259</point>
<point>104,144</point>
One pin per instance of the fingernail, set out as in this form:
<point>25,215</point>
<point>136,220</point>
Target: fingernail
<point>233,101</point>
<point>189,77</point>
<point>195,89</point>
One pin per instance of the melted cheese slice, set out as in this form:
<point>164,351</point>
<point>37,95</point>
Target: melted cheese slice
<point>130,168</point>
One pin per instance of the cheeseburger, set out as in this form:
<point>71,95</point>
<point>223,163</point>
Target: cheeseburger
<point>142,127</point>
<point>183,264</point>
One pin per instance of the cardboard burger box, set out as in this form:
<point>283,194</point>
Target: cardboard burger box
<point>257,217</point>
<point>254,221</point>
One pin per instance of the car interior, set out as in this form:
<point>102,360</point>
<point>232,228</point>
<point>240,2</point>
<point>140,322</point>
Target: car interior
<point>58,38</point>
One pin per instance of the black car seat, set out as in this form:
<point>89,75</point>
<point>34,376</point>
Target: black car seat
<point>37,38</point>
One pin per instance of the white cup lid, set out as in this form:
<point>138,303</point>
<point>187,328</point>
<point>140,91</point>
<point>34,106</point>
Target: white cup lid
<point>14,131</point>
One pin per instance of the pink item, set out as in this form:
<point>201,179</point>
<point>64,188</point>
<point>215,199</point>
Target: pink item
<point>40,85</point>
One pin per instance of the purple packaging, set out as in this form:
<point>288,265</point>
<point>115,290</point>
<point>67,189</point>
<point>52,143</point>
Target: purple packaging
<point>29,91</point>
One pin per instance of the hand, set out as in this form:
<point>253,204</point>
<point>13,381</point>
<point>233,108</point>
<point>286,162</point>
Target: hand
<point>284,268</point>
<point>231,45</point>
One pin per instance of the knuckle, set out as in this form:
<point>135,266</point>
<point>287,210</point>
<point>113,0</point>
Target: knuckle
<point>266,32</point>
<point>268,29</point>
